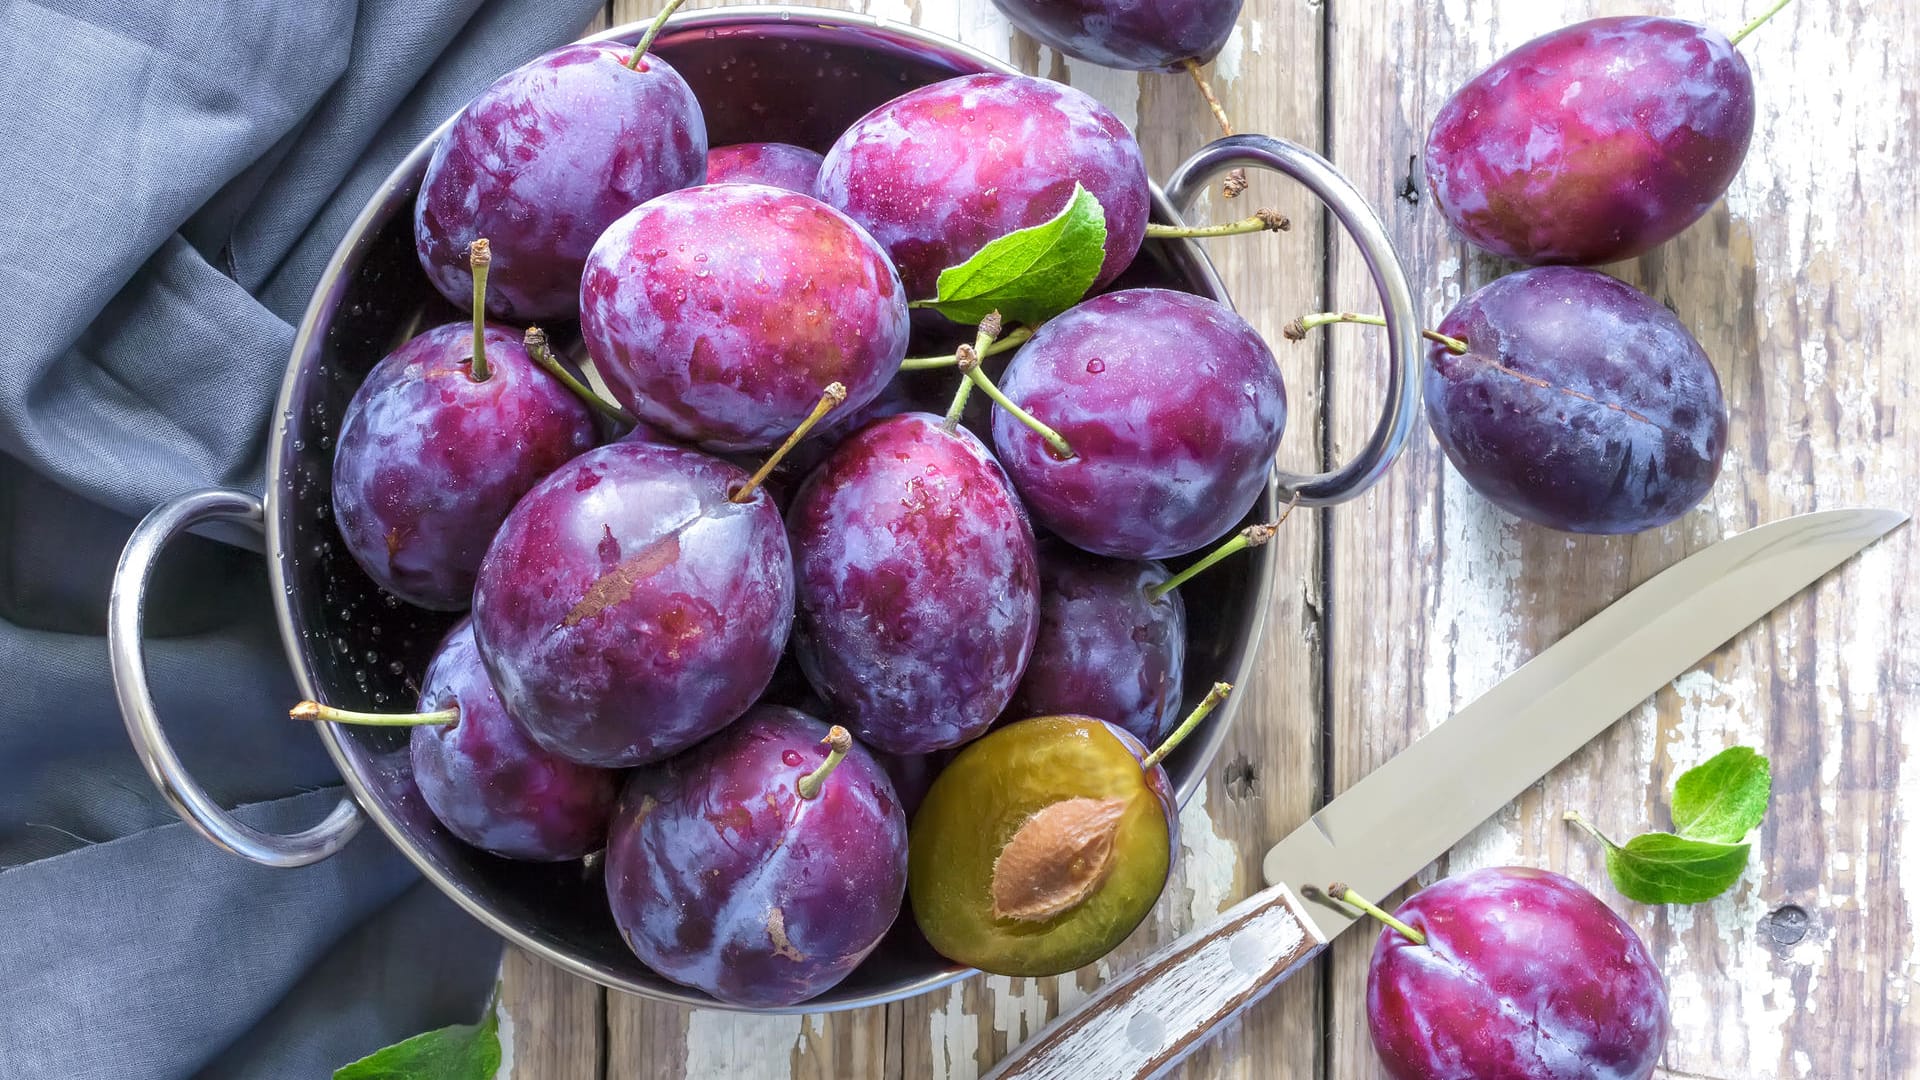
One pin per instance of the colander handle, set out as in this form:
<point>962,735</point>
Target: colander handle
<point>1402,406</point>
<point>126,606</point>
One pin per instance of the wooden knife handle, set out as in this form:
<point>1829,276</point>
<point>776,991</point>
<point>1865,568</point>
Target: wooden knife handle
<point>1144,1022</point>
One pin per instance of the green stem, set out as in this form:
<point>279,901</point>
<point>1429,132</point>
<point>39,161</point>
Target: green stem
<point>1574,817</point>
<point>1172,742</point>
<point>966,358</point>
<point>1250,537</point>
<point>1755,24</point>
<point>659,24</point>
<point>1258,221</point>
<point>1347,896</point>
<point>1297,329</point>
<point>830,399</point>
<point>1236,181</point>
<point>480,256</point>
<point>1013,339</point>
<point>313,710</point>
<point>838,743</point>
<point>536,343</point>
<point>1053,439</point>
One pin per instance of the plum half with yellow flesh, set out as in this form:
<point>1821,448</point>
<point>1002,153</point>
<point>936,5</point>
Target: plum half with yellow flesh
<point>1045,843</point>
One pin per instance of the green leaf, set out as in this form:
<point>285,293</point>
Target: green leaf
<point>1031,275</point>
<point>1661,868</point>
<point>458,1052</point>
<point>1723,799</point>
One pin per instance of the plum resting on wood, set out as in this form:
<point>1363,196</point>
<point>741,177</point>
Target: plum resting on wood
<point>1593,143</point>
<point>1133,35</point>
<point>717,314</point>
<point>543,161</point>
<point>760,866</point>
<point>937,173</point>
<point>1523,975</point>
<point>1580,404</point>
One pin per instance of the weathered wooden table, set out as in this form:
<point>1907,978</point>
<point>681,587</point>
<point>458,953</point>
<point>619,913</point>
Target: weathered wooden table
<point>1804,288</point>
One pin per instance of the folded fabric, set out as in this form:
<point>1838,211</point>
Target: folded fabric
<point>173,177</point>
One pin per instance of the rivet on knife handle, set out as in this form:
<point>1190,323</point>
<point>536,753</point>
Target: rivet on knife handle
<point>1144,1022</point>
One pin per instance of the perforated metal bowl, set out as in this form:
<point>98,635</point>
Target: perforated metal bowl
<point>762,74</point>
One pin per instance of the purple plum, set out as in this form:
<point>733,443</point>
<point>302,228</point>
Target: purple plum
<point>1133,35</point>
<point>1594,143</point>
<point>488,783</point>
<point>780,165</point>
<point>543,161</point>
<point>629,607</point>
<point>937,173</point>
<point>1580,404</point>
<point>737,869</point>
<point>916,584</point>
<point>719,314</point>
<point>1173,407</point>
<point>1524,976</point>
<point>1105,648</point>
<point>430,461</point>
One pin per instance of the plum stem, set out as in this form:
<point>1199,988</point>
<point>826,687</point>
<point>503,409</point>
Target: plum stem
<point>838,743</point>
<point>1236,181</point>
<point>1172,742</point>
<point>536,343</point>
<point>1574,817</point>
<point>1258,221</point>
<point>1250,537</point>
<point>831,398</point>
<point>479,256</point>
<point>966,358</point>
<point>1345,894</point>
<point>1297,329</point>
<point>1008,342</point>
<point>1055,443</point>
<point>313,710</point>
<point>659,24</point>
<point>1755,24</point>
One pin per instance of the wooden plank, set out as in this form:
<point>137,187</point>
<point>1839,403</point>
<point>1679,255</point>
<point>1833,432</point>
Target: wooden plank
<point>554,1022</point>
<point>1268,776</point>
<point>1800,287</point>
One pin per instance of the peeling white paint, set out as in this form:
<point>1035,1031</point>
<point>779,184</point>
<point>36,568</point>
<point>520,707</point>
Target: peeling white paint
<point>738,1046</point>
<point>508,1068</point>
<point>1257,36</point>
<point>955,1038</point>
<point>900,11</point>
<point>1207,861</point>
<point>1226,66</point>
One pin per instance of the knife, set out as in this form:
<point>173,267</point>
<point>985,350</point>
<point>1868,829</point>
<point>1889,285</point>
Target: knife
<point>1409,811</point>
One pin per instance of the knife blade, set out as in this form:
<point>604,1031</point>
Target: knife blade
<point>1409,811</point>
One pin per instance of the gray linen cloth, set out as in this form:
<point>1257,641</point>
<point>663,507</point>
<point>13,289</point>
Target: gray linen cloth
<point>173,176</point>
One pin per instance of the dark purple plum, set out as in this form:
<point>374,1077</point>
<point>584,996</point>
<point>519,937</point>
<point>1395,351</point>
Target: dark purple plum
<point>1524,975</point>
<point>491,785</point>
<point>430,461</point>
<point>719,313</point>
<point>629,608</point>
<point>780,165</point>
<point>937,173</point>
<point>1594,143</point>
<point>739,869</point>
<point>1580,404</point>
<point>916,584</point>
<point>543,161</point>
<point>1173,407</point>
<point>1133,35</point>
<point>1105,648</point>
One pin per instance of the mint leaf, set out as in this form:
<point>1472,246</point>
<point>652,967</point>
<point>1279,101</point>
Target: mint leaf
<point>457,1052</point>
<point>1661,868</point>
<point>1715,805</point>
<point>1723,799</point>
<point>1030,275</point>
